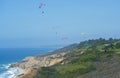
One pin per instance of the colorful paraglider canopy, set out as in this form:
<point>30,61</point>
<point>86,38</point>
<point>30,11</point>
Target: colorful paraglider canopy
<point>65,38</point>
<point>41,5</point>
<point>84,33</point>
<point>55,27</point>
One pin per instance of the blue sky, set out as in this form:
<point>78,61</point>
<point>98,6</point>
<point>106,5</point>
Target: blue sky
<point>22,23</point>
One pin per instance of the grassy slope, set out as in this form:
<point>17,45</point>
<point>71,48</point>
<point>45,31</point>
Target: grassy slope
<point>87,60</point>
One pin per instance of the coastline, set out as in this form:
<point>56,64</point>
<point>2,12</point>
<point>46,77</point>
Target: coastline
<point>31,64</point>
<point>15,71</point>
<point>17,56</point>
<point>10,72</point>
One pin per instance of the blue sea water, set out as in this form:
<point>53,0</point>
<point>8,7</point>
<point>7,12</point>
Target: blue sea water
<point>11,55</point>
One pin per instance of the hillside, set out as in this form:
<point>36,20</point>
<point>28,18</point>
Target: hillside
<point>98,58</point>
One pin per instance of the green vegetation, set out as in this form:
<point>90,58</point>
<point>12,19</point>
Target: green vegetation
<point>82,59</point>
<point>117,45</point>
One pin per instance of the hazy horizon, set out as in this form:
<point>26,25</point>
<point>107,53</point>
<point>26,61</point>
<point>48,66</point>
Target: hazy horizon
<point>24,25</point>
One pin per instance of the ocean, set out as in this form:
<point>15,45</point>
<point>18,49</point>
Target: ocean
<point>12,55</point>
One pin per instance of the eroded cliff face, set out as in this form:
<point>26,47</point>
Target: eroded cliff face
<point>32,63</point>
<point>30,73</point>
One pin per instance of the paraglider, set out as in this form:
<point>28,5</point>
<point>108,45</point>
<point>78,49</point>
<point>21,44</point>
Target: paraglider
<point>55,28</point>
<point>65,38</point>
<point>84,33</point>
<point>41,6</point>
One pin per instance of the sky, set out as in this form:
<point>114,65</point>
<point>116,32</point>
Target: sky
<point>60,22</point>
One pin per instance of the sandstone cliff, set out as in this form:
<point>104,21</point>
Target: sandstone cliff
<point>32,63</point>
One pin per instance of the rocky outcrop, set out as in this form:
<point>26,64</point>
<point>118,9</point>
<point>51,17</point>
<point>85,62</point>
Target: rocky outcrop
<point>32,63</point>
<point>30,73</point>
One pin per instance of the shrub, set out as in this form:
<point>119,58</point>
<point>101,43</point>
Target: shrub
<point>89,57</point>
<point>117,45</point>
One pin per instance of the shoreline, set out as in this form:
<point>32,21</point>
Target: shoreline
<point>15,71</point>
<point>30,64</point>
<point>10,72</point>
<point>19,66</point>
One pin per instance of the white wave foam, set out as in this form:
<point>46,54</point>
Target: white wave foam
<point>4,66</point>
<point>10,72</point>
